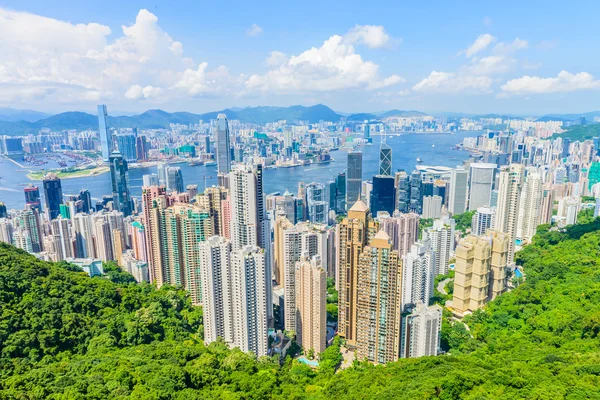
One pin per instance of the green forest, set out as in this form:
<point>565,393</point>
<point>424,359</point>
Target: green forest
<point>64,335</point>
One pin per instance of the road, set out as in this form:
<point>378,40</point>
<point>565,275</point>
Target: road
<point>441,287</point>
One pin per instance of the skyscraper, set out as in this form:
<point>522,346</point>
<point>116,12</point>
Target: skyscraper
<point>354,177</point>
<point>103,239</point>
<point>311,302</point>
<point>175,180</point>
<point>472,269</point>
<point>106,142</point>
<point>379,302</point>
<point>353,234</point>
<point>367,131</point>
<point>457,198</point>
<point>441,238</point>
<point>432,207</point>
<point>416,192</point>
<point>500,244</point>
<point>421,331</point>
<point>403,230</point>
<point>507,211</point>
<point>150,180</point>
<point>383,195</point>
<point>385,159</point>
<point>126,146</point>
<point>530,205</point>
<point>403,191</point>
<point>340,183</point>
<point>547,204</point>
<point>53,194</point>
<point>482,220</point>
<point>61,230</point>
<point>84,236</point>
<point>419,271</point>
<point>32,196</point>
<point>223,145</point>
<point>482,178</point>
<point>120,184</point>
<point>317,204</point>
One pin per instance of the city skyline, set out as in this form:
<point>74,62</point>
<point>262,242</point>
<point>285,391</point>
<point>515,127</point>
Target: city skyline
<point>475,58</point>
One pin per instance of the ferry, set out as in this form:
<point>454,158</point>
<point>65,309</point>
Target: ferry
<point>210,163</point>
<point>419,160</point>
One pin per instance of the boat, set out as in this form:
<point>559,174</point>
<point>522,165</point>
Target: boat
<point>433,145</point>
<point>419,160</point>
<point>195,162</point>
<point>210,163</point>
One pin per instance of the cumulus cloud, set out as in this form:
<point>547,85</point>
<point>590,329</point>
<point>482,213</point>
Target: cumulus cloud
<point>373,36</point>
<point>254,30</point>
<point>451,83</point>
<point>276,58</point>
<point>64,62</point>
<point>481,43</point>
<point>563,82</point>
<point>507,48</point>
<point>333,66</point>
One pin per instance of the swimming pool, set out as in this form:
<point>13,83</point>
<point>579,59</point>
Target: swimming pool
<point>311,363</point>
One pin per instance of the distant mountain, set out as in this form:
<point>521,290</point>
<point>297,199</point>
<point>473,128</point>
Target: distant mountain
<point>589,116</point>
<point>156,119</point>
<point>579,132</point>
<point>15,115</point>
<point>401,113</point>
<point>547,118</point>
<point>361,117</point>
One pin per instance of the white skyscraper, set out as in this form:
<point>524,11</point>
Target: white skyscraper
<point>482,220</point>
<point>457,197</point>
<point>530,205</point>
<point>432,207</point>
<point>403,230</point>
<point>317,203</point>
<point>441,238</point>
<point>223,145</point>
<point>84,236</point>
<point>61,230</point>
<point>507,212</point>
<point>480,188</point>
<point>418,274</point>
<point>421,331</point>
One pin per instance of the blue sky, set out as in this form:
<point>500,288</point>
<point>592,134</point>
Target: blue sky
<point>517,57</point>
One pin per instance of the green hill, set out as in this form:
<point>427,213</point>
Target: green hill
<point>401,113</point>
<point>579,132</point>
<point>64,335</point>
<point>361,117</point>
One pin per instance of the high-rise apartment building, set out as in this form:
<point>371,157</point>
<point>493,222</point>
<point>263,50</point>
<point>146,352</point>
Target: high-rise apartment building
<point>213,200</point>
<point>403,230</point>
<point>120,184</point>
<point>530,205</point>
<point>507,211</point>
<point>28,220</point>
<point>106,142</point>
<point>500,243</point>
<point>53,194</point>
<point>84,236</point>
<point>441,238</point>
<point>103,239</point>
<point>418,274</point>
<point>311,302</point>
<point>432,207</point>
<point>547,204</point>
<point>379,301</point>
<point>353,178</point>
<point>482,220</point>
<point>457,196</point>
<point>480,187</point>
<point>61,230</point>
<point>353,234</point>
<point>421,331</point>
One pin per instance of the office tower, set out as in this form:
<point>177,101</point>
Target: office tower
<point>281,224</point>
<point>217,291</point>
<point>250,299</point>
<point>403,230</point>
<point>367,131</point>
<point>161,170</point>
<point>472,270</point>
<point>150,180</point>
<point>84,236</point>
<point>126,146</point>
<point>142,147</point>
<point>61,230</point>
<point>416,192</point>
<point>29,222</point>
<point>419,271</point>
<point>331,195</point>
<point>500,244</point>
<point>441,239</point>
<point>86,201</point>
<point>379,302</point>
<point>311,303</point>
<point>106,142</point>
<point>482,220</point>
<point>440,188</point>
<point>383,195</point>
<point>457,197</point>
<point>175,180</point>
<point>403,191</point>
<point>530,205</point>
<point>432,207</point>
<point>53,194</point>
<point>354,177</point>
<point>207,146</point>
<point>421,331</point>
<point>103,239</point>
<point>507,211</point>
<point>3,211</point>
<point>385,159</point>
<point>120,184</point>
<point>340,183</point>
<point>223,146</point>
<point>353,234</point>
<point>191,190</point>
<point>482,178</point>
<point>317,204</point>
<point>32,197</point>
<point>6,231</point>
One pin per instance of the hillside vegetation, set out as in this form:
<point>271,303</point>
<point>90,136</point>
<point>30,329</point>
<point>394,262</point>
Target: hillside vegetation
<point>579,132</point>
<point>64,335</point>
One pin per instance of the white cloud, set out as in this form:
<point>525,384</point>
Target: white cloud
<point>52,60</point>
<point>276,58</point>
<point>563,82</point>
<point>507,48</point>
<point>373,36</point>
<point>481,43</point>
<point>490,65</point>
<point>254,30</point>
<point>451,83</point>
<point>333,66</point>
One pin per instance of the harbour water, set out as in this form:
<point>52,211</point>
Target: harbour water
<point>433,149</point>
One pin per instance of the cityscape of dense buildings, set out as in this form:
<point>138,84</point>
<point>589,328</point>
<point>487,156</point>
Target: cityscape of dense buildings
<point>263,265</point>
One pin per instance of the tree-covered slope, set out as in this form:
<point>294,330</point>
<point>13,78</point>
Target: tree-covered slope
<point>64,335</point>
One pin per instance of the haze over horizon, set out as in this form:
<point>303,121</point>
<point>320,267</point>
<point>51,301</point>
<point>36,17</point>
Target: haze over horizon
<point>475,58</point>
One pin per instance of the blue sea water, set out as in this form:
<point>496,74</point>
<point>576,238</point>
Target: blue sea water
<point>433,149</point>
